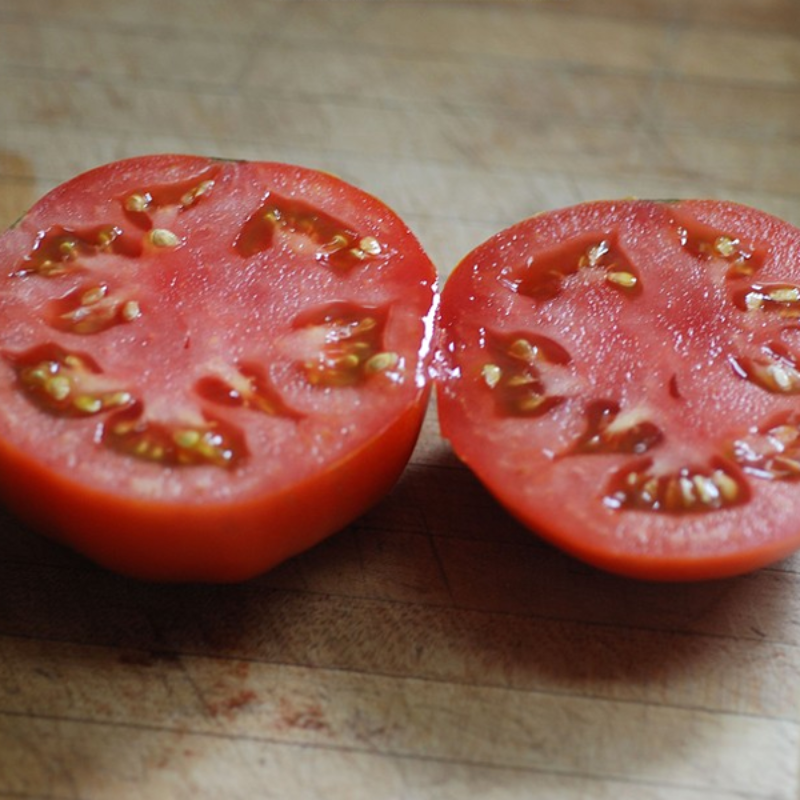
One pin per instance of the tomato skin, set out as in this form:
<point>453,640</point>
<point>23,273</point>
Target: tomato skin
<point>195,542</point>
<point>125,289</point>
<point>659,328</point>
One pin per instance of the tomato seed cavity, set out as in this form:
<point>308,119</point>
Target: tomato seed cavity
<point>544,277</point>
<point>514,373</point>
<point>143,204</point>
<point>686,490</point>
<point>772,453</point>
<point>64,383</point>
<point>58,250</point>
<point>352,346</point>
<point>782,299</point>
<point>246,387</point>
<point>776,371</point>
<point>352,349</point>
<point>214,443</point>
<point>609,431</point>
<point>707,243</point>
<point>90,309</point>
<point>338,246</point>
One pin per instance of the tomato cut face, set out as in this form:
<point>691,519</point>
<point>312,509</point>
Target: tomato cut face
<point>624,378</point>
<point>207,366</point>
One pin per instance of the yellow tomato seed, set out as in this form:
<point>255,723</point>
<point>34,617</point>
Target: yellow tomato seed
<point>593,255</point>
<point>521,379</point>
<point>93,295</point>
<point>350,361</point>
<point>687,491</point>
<point>727,485</point>
<point>137,202</point>
<point>624,279</point>
<point>491,375</point>
<point>706,489</point>
<point>370,245</point>
<point>781,376</point>
<point>119,399</point>
<point>522,349</point>
<point>58,387</point>
<point>68,248</point>
<point>161,237</point>
<point>187,438</point>
<point>88,404</point>
<point>131,311</point>
<point>531,402</point>
<point>381,362</point>
<point>725,246</point>
<point>789,295</point>
<point>753,301</point>
<point>192,195</point>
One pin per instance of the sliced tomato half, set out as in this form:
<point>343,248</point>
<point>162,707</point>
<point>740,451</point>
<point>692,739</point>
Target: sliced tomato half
<point>625,378</point>
<point>207,366</point>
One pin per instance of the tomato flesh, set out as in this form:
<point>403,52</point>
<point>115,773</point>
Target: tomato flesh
<point>663,441</point>
<point>206,366</point>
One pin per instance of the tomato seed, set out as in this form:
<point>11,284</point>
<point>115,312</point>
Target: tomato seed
<point>137,203</point>
<point>68,249</point>
<point>521,379</point>
<point>706,489</point>
<point>785,295</point>
<point>347,362</point>
<point>119,399</point>
<point>370,245</point>
<point>94,295</point>
<point>338,242</point>
<point>88,404</point>
<point>593,255</point>
<point>131,311</point>
<point>623,279</point>
<point>686,488</point>
<point>58,387</point>
<point>531,403</point>
<point>726,246</point>
<point>728,487</point>
<point>491,374</point>
<point>381,362</point>
<point>161,237</point>
<point>187,438</point>
<point>190,197</point>
<point>523,350</point>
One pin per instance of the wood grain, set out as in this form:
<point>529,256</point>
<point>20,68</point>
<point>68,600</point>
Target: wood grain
<point>433,649</point>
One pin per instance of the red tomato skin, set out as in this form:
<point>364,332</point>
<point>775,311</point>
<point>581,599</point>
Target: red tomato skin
<point>206,543</point>
<point>228,539</point>
<point>750,537</point>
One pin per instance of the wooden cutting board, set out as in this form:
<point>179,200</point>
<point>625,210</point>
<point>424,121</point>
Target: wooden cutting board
<point>433,649</point>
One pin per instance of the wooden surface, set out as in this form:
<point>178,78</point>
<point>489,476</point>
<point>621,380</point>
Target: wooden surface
<point>433,649</point>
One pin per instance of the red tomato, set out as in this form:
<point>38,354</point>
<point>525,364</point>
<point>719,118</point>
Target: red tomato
<point>205,366</point>
<point>625,379</point>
